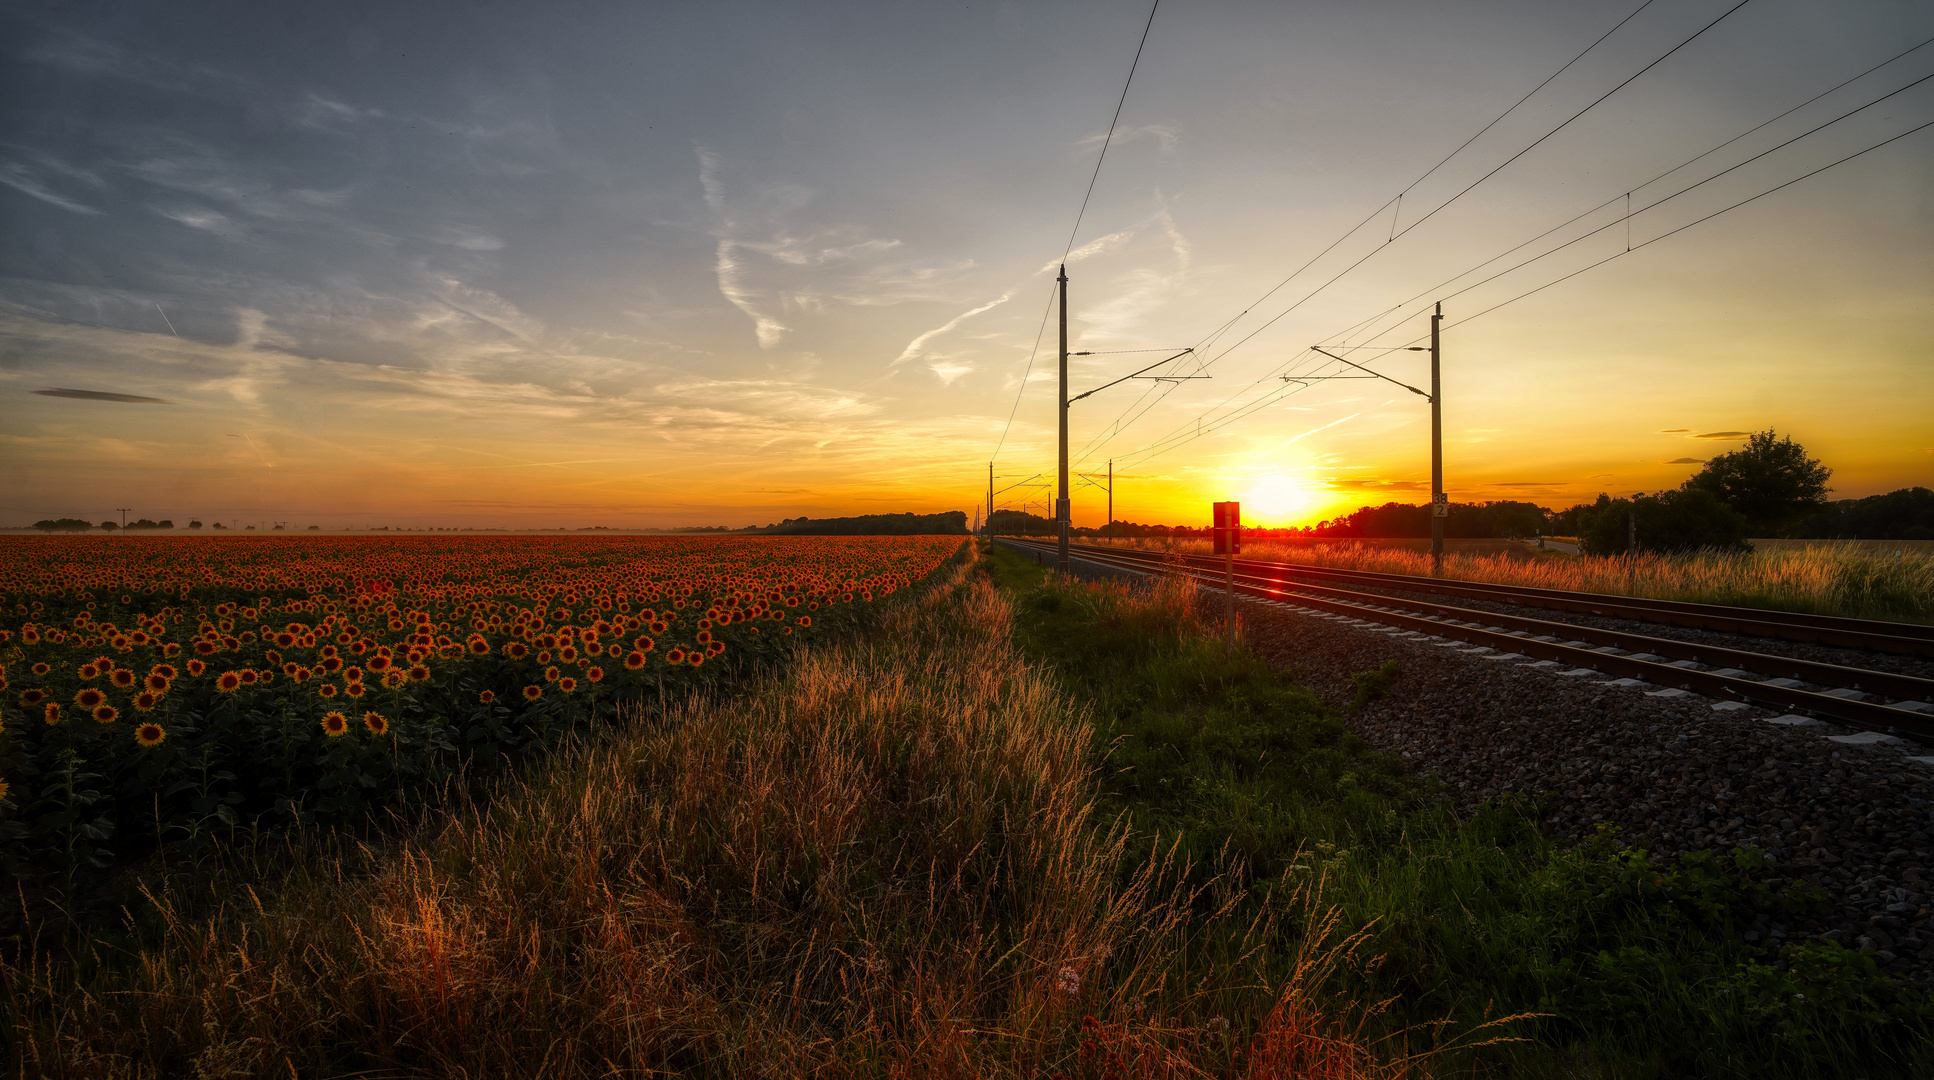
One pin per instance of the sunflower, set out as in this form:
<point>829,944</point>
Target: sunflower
<point>478,646</point>
<point>146,701</point>
<point>88,671</point>
<point>354,689</point>
<point>544,657</point>
<point>150,734</point>
<point>327,690</point>
<point>4,788</point>
<point>352,674</point>
<point>156,683</point>
<point>121,677</point>
<point>379,662</point>
<point>532,693</point>
<point>52,714</point>
<point>695,658</point>
<point>41,669</point>
<point>31,697</point>
<point>634,661</point>
<point>704,637</point>
<point>595,674</point>
<point>516,650</point>
<point>394,678</point>
<point>196,667</point>
<point>550,674</point>
<point>676,656</point>
<point>248,676</point>
<point>567,684</point>
<point>805,620</point>
<point>419,673</point>
<point>229,682</point>
<point>376,723</point>
<point>301,674</point>
<point>335,724</point>
<point>106,714</point>
<point>89,698</point>
<point>486,697</point>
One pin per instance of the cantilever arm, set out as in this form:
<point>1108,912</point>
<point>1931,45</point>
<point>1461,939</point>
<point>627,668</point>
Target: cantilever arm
<point>1378,374</point>
<point>1125,378</point>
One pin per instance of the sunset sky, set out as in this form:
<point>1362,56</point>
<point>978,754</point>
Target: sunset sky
<point>496,264</point>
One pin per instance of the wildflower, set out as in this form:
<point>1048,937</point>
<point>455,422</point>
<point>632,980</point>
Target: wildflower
<point>150,734</point>
<point>88,671</point>
<point>4,787</point>
<point>805,620</point>
<point>229,682</point>
<point>544,657</point>
<point>147,701</point>
<point>41,669</point>
<point>352,674</point>
<point>550,674</point>
<point>419,673</point>
<point>478,646</point>
<point>89,698</point>
<point>354,689</point>
<point>121,677</point>
<point>106,714</point>
<point>156,682</point>
<point>643,644</point>
<point>595,674</point>
<point>248,676</point>
<point>634,660</point>
<point>676,656</point>
<point>376,723</point>
<point>516,650</point>
<point>335,724</point>
<point>52,715</point>
<point>196,667</point>
<point>379,662</point>
<point>567,684</point>
<point>532,693</point>
<point>1069,981</point>
<point>486,697</point>
<point>695,658</point>
<point>327,690</point>
<point>394,678</point>
<point>31,697</point>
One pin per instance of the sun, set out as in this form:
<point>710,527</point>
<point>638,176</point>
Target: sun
<point>1275,500</point>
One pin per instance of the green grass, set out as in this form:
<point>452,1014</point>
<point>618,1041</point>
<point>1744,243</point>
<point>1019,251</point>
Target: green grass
<point>1636,965</point>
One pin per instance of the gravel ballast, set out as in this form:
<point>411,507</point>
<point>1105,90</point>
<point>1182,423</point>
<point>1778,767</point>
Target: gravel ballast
<point>1671,772</point>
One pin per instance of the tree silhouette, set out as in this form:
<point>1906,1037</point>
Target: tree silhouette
<point>1770,481</point>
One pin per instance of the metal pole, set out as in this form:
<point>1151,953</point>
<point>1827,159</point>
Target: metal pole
<point>1062,508</point>
<point>990,498</point>
<point>1229,606</point>
<point>1436,449</point>
<point>1111,500</point>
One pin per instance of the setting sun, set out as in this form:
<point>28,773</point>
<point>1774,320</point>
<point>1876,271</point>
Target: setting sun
<point>1276,500</point>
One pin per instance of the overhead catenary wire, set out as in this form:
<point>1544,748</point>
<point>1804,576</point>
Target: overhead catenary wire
<point>1108,138</point>
<point>1436,290</point>
<point>1209,340</point>
<point>1167,443</point>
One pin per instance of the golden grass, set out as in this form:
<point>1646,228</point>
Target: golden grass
<point>883,862</point>
<point>1847,579</point>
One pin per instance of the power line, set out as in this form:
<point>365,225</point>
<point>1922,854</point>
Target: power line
<point>1436,289</point>
<point>1208,341</point>
<point>1690,161</point>
<point>1173,440</point>
<point>1112,122</point>
<point>1107,139</point>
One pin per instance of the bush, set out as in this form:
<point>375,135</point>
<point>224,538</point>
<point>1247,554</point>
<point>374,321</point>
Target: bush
<point>1688,519</point>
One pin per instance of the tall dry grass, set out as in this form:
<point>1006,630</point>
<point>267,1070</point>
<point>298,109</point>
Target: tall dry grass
<point>1847,579</point>
<point>882,862</point>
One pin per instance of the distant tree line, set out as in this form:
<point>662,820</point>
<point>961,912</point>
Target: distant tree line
<point>951,523</point>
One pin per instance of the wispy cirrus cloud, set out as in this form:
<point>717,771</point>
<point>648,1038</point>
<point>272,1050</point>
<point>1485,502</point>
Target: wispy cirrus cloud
<point>18,177</point>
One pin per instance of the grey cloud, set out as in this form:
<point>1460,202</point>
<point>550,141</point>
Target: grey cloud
<point>100,395</point>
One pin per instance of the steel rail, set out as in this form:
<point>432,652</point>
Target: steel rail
<point>1860,714</point>
<point>1842,676</point>
<point>1909,639</point>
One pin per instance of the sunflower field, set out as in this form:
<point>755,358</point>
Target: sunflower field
<point>162,691</point>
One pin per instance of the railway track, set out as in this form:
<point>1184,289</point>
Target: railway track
<point>1881,701</point>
